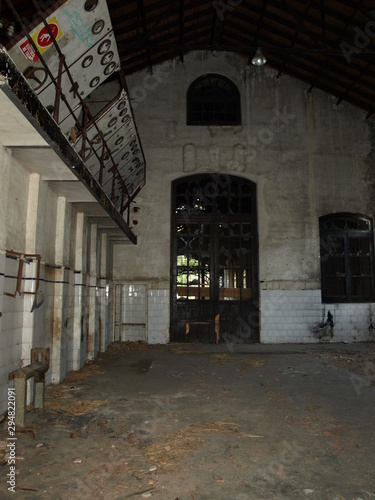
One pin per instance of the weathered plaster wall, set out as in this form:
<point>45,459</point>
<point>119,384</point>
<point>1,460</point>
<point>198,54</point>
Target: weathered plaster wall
<point>307,156</point>
<point>14,194</point>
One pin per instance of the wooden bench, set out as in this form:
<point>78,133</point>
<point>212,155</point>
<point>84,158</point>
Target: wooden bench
<point>217,326</point>
<point>37,368</point>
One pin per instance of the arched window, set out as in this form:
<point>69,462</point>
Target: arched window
<point>213,100</point>
<point>347,258</point>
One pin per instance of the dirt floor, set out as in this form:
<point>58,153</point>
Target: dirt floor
<point>188,421</point>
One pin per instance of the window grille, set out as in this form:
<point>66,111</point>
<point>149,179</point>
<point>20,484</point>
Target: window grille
<point>347,258</point>
<point>213,100</point>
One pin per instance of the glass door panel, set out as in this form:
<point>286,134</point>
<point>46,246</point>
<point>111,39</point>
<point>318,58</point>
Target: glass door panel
<point>234,261</point>
<point>193,261</point>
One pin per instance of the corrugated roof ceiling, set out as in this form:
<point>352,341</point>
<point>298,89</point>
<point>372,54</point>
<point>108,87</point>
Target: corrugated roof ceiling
<point>327,43</point>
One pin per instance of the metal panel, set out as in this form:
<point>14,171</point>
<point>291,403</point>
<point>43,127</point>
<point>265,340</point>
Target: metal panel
<point>19,93</point>
<point>89,72</point>
<point>80,33</point>
<point>77,53</point>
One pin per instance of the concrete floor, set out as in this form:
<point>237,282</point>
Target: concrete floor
<point>191,421</point>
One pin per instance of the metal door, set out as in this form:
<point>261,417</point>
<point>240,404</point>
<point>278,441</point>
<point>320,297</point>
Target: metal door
<point>214,260</point>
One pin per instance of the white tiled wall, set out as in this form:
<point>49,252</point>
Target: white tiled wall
<point>141,314</point>
<point>158,316</point>
<point>93,323</point>
<point>80,321</point>
<point>291,315</point>
<point>104,318</point>
<point>133,333</point>
<point>132,304</point>
<point>62,324</point>
<point>65,307</point>
<point>352,322</point>
<point>11,325</point>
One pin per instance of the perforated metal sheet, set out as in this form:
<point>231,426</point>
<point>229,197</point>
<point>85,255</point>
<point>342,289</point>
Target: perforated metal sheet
<point>86,39</point>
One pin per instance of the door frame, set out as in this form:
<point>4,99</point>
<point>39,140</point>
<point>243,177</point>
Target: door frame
<point>242,309</point>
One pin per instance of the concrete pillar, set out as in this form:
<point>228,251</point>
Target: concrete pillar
<point>103,255</point>
<point>28,321</point>
<point>60,341</point>
<point>4,176</point>
<point>5,160</point>
<point>93,250</point>
<point>80,243</point>
<point>104,319</point>
<point>32,213</point>
<point>79,341</point>
<point>60,231</point>
<point>93,338</point>
<point>311,239</point>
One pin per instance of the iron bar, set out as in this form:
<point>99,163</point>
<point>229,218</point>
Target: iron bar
<point>58,84</point>
<point>19,92</point>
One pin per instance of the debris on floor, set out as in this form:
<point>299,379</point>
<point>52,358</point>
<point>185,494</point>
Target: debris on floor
<point>272,433</point>
<point>172,447</point>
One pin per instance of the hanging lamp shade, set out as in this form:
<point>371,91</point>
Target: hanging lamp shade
<point>259,59</point>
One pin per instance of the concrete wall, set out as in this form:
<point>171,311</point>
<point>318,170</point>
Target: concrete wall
<point>75,289</point>
<point>307,156</point>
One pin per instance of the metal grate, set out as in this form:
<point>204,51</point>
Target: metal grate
<point>347,258</point>
<point>213,100</point>
<point>69,57</point>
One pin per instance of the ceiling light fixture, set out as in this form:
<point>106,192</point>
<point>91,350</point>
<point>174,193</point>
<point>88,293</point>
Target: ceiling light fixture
<point>258,59</point>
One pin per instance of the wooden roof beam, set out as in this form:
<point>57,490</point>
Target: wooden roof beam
<point>182,28</point>
<point>339,38</point>
<point>353,84</point>
<point>323,21</point>
<point>293,41</point>
<point>145,32</point>
<point>259,24</point>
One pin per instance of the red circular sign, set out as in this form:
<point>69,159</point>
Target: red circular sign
<point>44,39</point>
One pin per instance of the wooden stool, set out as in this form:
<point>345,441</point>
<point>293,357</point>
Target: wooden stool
<point>37,368</point>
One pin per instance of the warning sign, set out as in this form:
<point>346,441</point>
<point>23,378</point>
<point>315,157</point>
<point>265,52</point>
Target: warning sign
<point>42,39</point>
<point>28,51</point>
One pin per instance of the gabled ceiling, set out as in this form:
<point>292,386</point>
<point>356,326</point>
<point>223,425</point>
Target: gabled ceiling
<point>330,44</point>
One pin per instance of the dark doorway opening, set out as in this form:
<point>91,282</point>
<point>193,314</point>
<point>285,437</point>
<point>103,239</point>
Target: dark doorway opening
<point>214,260</point>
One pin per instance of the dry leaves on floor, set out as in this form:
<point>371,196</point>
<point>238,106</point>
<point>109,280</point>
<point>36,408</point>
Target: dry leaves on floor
<point>88,370</point>
<point>75,408</point>
<point>176,445</point>
<point>59,398</point>
<point>222,359</point>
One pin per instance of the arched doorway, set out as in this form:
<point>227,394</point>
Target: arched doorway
<point>214,259</point>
